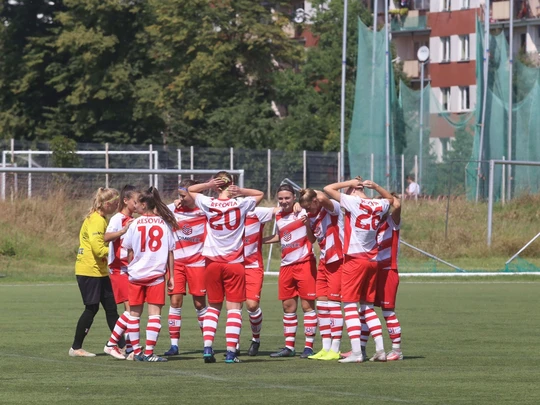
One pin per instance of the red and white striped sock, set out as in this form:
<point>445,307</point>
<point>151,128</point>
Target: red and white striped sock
<point>324,324</point>
<point>233,328</point>
<point>336,324</point>
<point>152,333</point>
<point>255,320</point>
<point>352,321</point>
<point>175,324</point>
<point>119,329</point>
<point>364,336</point>
<point>374,325</point>
<point>290,324</point>
<point>133,330</point>
<point>210,323</point>
<point>200,316</point>
<point>310,327</point>
<point>394,328</point>
<point>129,348</point>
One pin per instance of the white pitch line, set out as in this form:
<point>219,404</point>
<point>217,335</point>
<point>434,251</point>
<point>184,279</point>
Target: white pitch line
<point>249,384</point>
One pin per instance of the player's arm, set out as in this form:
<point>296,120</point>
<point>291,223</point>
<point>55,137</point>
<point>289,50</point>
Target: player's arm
<point>235,191</point>
<point>309,231</point>
<point>271,239</point>
<point>100,249</point>
<point>382,191</point>
<point>325,201</point>
<point>111,236</point>
<point>396,212</point>
<point>212,184</point>
<point>170,268</point>
<point>333,189</point>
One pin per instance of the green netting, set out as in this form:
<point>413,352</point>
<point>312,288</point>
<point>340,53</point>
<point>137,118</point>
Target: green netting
<point>525,119</point>
<point>519,265</point>
<point>368,127</point>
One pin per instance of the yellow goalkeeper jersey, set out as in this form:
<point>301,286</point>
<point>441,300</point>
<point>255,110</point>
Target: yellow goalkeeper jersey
<point>93,251</point>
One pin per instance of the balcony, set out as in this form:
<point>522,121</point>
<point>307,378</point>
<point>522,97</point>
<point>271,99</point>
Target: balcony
<point>419,5</point>
<point>523,10</point>
<point>408,23</point>
<point>412,69</point>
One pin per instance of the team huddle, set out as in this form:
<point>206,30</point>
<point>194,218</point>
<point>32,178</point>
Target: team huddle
<point>211,247</point>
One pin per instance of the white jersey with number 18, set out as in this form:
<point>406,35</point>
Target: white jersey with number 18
<point>151,240</point>
<point>225,227</point>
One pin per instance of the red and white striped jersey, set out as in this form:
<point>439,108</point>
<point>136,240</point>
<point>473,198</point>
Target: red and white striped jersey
<point>253,235</point>
<point>295,246</point>
<point>325,226</point>
<point>362,221</point>
<point>224,240</point>
<point>117,253</point>
<point>388,241</point>
<point>151,240</point>
<point>190,236</point>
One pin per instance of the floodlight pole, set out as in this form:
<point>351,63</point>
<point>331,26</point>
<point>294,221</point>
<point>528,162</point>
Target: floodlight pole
<point>420,152</point>
<point>484,99</point>
<point>387,88</point>
<point>343,77</point>
<point>510,91</point>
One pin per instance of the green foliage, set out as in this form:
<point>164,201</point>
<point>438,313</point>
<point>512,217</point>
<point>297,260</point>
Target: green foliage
<point>64,152</point>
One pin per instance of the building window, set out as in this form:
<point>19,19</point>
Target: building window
<point>464,47</point>
<point>445,49</point>
<point>445,5</point>
<point>445,98</point>
<point>464,99</point>
<point>465,4</point>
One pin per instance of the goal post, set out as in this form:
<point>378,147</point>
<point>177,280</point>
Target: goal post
<point>491,188</point>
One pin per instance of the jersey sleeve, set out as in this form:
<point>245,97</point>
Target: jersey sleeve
<point>96,229</point>
<point>171,207</point>
<point>202,202</point>
<point>264,214</point>
<point>128,238</point>
<point>337,208</point>
<point>249,204</point>
<point>348,202</point>
<point>170,240</point>
<point>115,224</point>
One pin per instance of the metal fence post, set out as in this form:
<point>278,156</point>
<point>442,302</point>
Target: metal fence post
<point>402,175</point>
<point>107,164</point>
<point>150,165</point>
<point>305,167</point>
<point>191,159</point>
<point>179,164</point>
<point>490,201</point>
<point>232,158</point>
<point>269,175</point>
<point>29,174</point>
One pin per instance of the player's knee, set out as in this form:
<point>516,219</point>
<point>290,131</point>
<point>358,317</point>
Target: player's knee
<point>92,308</point>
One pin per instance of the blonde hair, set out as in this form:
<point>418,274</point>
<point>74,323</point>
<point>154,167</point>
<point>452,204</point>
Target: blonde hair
<point>306,196</point>
<point>226,177</point>
<point>101,197</point>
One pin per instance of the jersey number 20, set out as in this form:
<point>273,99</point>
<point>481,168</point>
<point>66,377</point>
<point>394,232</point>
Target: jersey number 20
<point>222,219</point>
<point>371,214</point>
<point>155,233</point>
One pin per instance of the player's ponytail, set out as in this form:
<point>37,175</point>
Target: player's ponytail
<point>101,197</point>
<point>226,177</point>
<point>307,195</point>
<point>153,202</point>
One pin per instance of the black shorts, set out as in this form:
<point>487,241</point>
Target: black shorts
<point>95,289</point>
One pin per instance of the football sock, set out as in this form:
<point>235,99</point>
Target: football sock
<point>175,323</point>
<point>133,331</point>
<point>233,328</point>
<point>324,324</point>
<point>152,333</point>
<point>394,328</point>
<point>374,325</point>
<point>290,324</point>
<point>364,336</point>
<point>200,316</point>
<point>352,321</point>
<point>310,327</point>
<point>255,320</point>
<point>119,329</point>
<point>336,324</point>
<point>210,325</point>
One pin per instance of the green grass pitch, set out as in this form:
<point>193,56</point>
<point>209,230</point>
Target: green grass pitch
<point>465,342</point>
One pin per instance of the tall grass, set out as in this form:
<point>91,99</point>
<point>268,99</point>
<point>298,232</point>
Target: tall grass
<point>40,235</point>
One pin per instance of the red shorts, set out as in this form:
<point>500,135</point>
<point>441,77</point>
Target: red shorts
<point>329,280</point>
<point>387,285</point>
<point>358,280</point>
<point>254,282</point>
<point>192,276</point>
<point>298,280</point>
<point>120,286</point>
<point>139,294</point>
<point>225,280</point>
